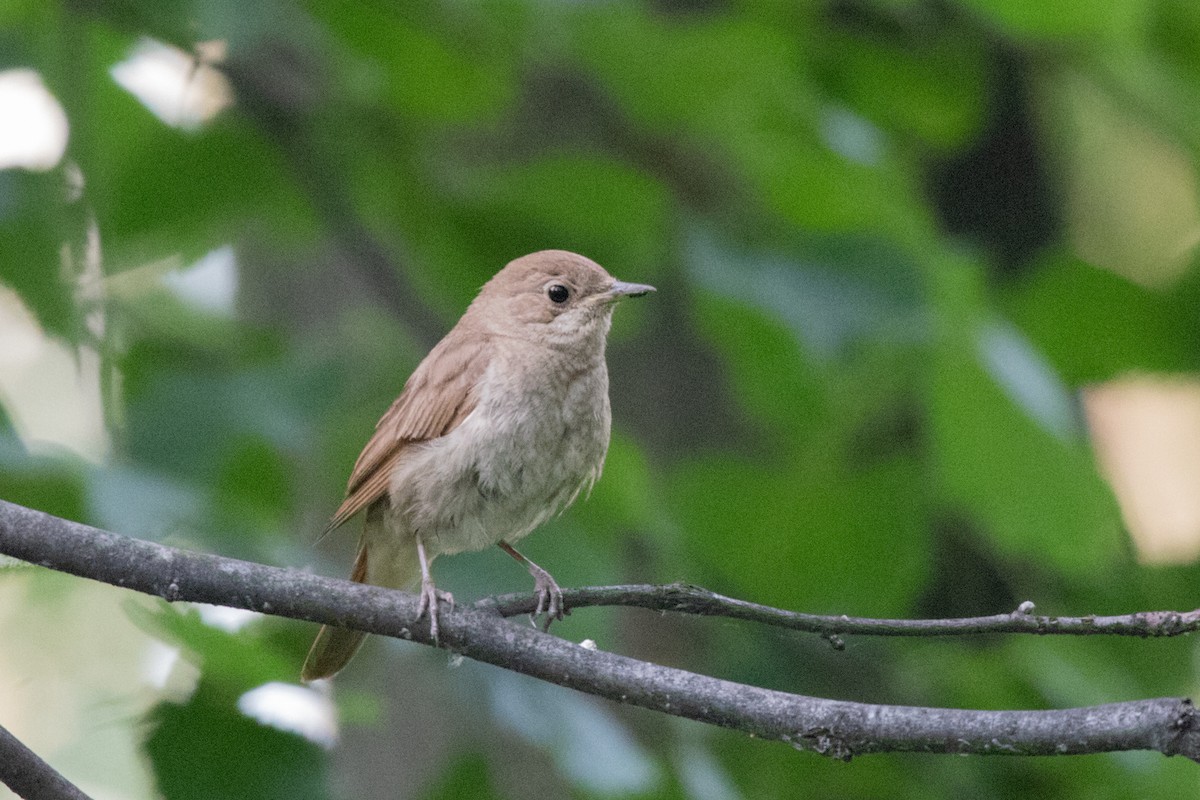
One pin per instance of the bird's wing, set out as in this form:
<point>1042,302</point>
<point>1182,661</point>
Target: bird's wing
<point>438,396</point>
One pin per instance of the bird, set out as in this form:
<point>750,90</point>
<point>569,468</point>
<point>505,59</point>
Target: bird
<point>503,425</point>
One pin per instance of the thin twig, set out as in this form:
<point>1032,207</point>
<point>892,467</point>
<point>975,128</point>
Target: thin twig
<point>688,599</point>
<point>29,776</point>
<point>831,727</point>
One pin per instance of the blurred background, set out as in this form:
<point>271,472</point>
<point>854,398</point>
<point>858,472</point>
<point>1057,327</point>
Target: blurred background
<point>925,344</point>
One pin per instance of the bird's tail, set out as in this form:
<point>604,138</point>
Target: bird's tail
<point>331,650</point>
<point>334,647</point>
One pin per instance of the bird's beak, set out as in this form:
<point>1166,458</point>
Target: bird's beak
<point>622,289</point>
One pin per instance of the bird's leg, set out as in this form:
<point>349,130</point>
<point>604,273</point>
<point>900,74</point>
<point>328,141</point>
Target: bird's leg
<point>430,594</point>
<point>549,595</point>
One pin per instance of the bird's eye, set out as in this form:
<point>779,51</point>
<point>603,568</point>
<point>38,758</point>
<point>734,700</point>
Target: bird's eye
<point>558,293</point>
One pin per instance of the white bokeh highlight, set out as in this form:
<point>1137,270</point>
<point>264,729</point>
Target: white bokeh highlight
<point>33,125</point>
<point>179,88</point>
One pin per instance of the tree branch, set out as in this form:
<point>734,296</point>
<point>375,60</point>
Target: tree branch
<point>689,599</point>
<point>831,727</point>
<point>29,776</point>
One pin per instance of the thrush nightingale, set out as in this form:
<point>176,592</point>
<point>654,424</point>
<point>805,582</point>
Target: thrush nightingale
<point>501,426</point>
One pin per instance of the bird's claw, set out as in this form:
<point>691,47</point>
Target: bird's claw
<point>430,597</point>
<point>550,598</point>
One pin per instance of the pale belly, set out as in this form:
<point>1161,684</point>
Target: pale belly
<point>498,476</point>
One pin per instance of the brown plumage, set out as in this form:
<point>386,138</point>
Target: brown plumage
<point>500,426</point>
<point>436,398</point>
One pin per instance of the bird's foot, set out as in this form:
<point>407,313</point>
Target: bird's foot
<point>430,596</point>
<point>549,595</point>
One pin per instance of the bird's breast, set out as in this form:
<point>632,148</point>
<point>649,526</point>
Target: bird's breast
<point>531,444</point>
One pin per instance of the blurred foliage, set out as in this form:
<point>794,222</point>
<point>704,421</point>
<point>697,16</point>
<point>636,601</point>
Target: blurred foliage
<point>893,239</point>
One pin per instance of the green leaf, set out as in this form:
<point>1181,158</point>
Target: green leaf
<point>466,777</point>
<point>34,226</point>
<point>809,535</point>
<point>589,744</point>
<point>1094,325</point>
<point>1035,490</point>
<point>594,204</point>
<point>624,497</point>
<point>1069,19</point>
<point>239,661</point>
<point>700,76</point>
<point>56,485</point>
<point>205,749</point>
<point>832,292</point>
<point>1002,452</point>
<point>428,66</point>
<point>181,194</point>
<point>932,88</point>
<point>774,381</point>
<point>702,81</point>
